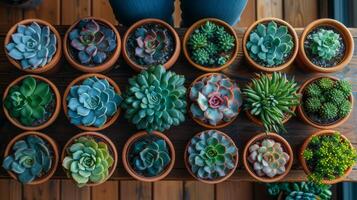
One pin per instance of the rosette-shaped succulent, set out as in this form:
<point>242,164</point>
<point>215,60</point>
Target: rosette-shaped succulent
<point>32,45</point>
<point>268,158</point>
<point>270,44</point>
<point>30,158</point>
<point>93,42</point>
<point>149,156</point>
<point>211,155</point>
<point>321,191</point>
<point>88,161</point>
<point>29,101</point>
<point>216,99</point>
<point>302,195</point>
<point>325,44</point>
<point>93,102</point>
<point>155,99</point>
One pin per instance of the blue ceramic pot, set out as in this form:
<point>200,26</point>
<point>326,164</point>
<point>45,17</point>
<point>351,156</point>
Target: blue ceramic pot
<point>226,10</point>
<point>128,12</point>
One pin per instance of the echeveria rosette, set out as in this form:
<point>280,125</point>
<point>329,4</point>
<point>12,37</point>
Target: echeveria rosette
<point>325,44</point>
<point>30,158</point>
<point>211,155</point>
<point>92,103</point>
<point>155,99</point>
<point>149,156</point>
<point>88,161</point>
<point>93,42</point>
<point>216,99</point>
<point>32,45</point>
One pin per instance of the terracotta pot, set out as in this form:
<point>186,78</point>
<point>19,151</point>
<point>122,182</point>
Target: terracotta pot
<point>346,35</point>
<point>276,138</point>
<point>49,67</point>
<point>196,25</point>
<point>199,121</point>
<point>99,137</point>
<point>78,81</point>
<point>55,113</point>
<point>107,65</point>
<point>305,117</point>
<point>288,62</point>
<point>51,143</point>
<point>126,161</point>
<point>132,28</point>
<point>304,163</point>
<point>188,167</point>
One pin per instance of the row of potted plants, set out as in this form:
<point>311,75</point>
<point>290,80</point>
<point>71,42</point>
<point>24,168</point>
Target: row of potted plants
<point>93,45</point>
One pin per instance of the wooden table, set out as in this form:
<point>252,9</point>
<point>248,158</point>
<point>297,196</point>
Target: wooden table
<point>240,130</point>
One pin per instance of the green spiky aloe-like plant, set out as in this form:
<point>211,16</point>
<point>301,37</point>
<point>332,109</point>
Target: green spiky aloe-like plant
<point>28,101</point>
<point>155,99</point>
<point>211,155</point>
<point>270,98</point>
<point>88,161</point>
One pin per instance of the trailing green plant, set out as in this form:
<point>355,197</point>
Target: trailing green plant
<point>270,44</point>
<point>30,158</point>
<point>211,155</point>
<point>216,99</point>
<point>88,161</point>
<point>93,102</point>
<point>328,157</point>
<point>92,42</point>
<point>325,43</point>
<point>271,98</point>
<point>29,101</point>
<point>149,156</point>
<point>32,45</point>
<point>155,99</point>
<point>328,99</point>
<point>211,45</point>
<point>268,158</point>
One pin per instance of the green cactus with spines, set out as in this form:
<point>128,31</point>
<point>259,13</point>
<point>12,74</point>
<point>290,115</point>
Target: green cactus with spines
<point>313,90</point>
<point>328,111</point>
<point>211,49</point>
<point>345,108</point>
<point>226,41</point>
<point>335,96</point>
<point>325,83</point>
<point>198,40</point>
<point>312,104</point>
<point>201,56</point>
<point>209,29</point>
<point>345,87</point>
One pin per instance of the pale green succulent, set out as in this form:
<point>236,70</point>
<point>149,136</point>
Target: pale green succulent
<point>325,44</point>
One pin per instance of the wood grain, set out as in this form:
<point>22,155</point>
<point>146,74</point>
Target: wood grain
<point>269,8</point>
<point>70,191</point>
<point>249,14</point>
<point>72,10</point>
<point>9,16</point>
<point>234,190</point>
<point>197,190</point>
<point>172,190</point>
<point>102,9</point>
<point>135,190</point>
<point>300,13</point>
<point>45,191</point>
<point>49,11</point>
<point>10,190</point>
<point>260,192</point>
<point>106,191</point>
<point>177,14</point>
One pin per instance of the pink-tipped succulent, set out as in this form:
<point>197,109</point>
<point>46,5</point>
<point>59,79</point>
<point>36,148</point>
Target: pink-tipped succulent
<point>216,99</point>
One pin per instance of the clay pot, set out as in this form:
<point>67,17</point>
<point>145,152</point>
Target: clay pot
<point>260,137</point>
<point>140,23</point>
<point>219,180</point>
<point>107,65</point>
<point>195,26</point>
<point>306,118</point>
<point>79,81</point>
<point>288,62</point>
<point>50,142</point>
<point>99,137</point>
<point>126,151</point>
<point>345,34</point>
<point>55,113</point>
<point>304,163</point>
<point>49,67</point>
<point>199,121</point>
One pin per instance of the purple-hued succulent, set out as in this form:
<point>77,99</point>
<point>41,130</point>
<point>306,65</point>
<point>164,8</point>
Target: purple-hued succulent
<point>92,42</point>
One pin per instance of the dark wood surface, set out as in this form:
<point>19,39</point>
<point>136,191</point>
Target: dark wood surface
<point>240,130</point>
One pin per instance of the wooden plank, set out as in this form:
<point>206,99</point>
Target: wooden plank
<point>172,190</point>
<point>101,8</point>
<point>269,8</point>
<point>106,191</point>
<point>10,16</point>
<point>249,15</point>
<point>177,14</point>
<point>135,190</point>
<point>234,190</point>
<point>197,190</point>
<point>72,10</point>
<point>300,13</point>
<point>260,192</point>
<point>45,191</point>
<point>49,11</point>
<point>10,190</point>
<point>70,191</point>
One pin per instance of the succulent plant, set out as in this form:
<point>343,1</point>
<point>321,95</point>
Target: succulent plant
<point>270,44</point>
<point>92,42</point>
<point>270,98</point>
<point>88,161</point>
<point>268,158</point>
<point>30,101</point>
<point>155,99</point>
<point>30,158</point>
<point>302,195</point>
<point>325,43</point>
<point>149,156</point>
<point>211,155</point>
<point>322,191</point>
<point>93,102</point>
<point>216,99</point>
<point>211,45</point>
<point>32,45</point>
